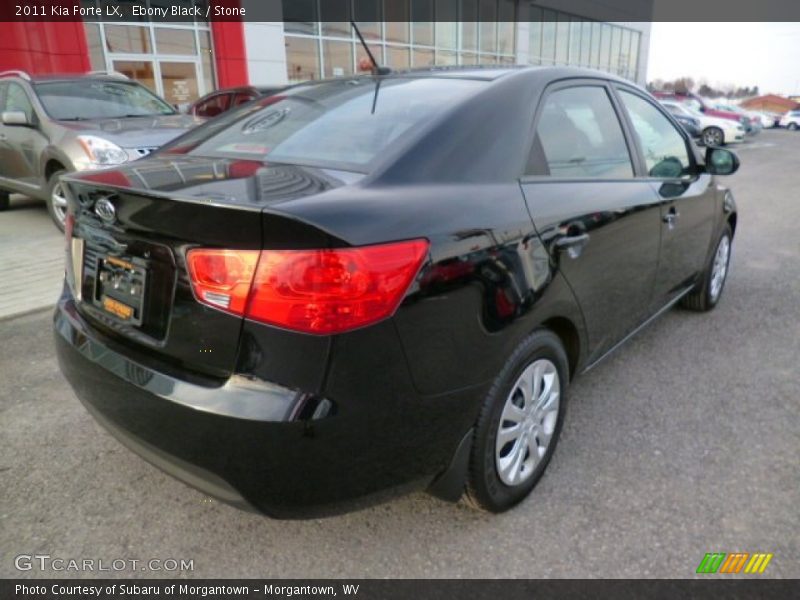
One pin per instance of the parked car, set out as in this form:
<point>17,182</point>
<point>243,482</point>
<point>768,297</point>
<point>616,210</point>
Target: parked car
<point>752,124</point>
<point>714,131</point>
<point>690,124</point>
<point>56,124</point>
<point>791,120</point>
<point>216,103</point>
<point>700,104</point>
<point>309,304</point>
<point>768,120</point>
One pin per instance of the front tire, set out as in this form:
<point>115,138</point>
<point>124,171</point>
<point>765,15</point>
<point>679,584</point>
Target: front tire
<point>519,424</point>
<point>713,136</point>
<point>5,201</point>
<point>56,200</point>
<point>707,295</point>
<point>793,126</point>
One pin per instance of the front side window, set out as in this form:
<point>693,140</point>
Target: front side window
<point>663,146</point>
<point>84,99</point>
<point>694,104</point>
<point>579,135</point>
<point>17,100</point>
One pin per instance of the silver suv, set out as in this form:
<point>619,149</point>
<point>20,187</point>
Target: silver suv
<point>50,125</point>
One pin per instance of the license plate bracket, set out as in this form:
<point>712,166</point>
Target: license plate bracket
<point>120,288</point>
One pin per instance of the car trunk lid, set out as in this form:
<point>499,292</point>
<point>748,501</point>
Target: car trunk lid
<point>131,229</point>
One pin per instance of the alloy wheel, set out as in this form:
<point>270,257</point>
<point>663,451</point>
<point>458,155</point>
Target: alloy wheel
<point>527,423</point>
<point>719,269</point>
<point>712,137</point>
<point>59,203</point>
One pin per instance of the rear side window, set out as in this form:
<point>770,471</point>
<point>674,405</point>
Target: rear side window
<point>243,98</point>
<point>663,146</point>
<point>579,135</point>
<point>216,105</point>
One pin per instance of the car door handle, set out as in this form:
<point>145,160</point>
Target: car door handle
<point>671,217</point>
<point>2,136</point>
<point>573,244</point>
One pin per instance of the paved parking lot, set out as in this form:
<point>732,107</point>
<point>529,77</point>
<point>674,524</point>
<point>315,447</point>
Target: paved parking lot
<point>684,442</point>
<point>31,258</point>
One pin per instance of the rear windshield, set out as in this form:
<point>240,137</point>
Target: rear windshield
<point>343,124</point>
<point>82,100</point>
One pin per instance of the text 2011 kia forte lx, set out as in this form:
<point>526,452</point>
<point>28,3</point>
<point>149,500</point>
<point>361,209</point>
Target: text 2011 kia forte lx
<point>368,285</point>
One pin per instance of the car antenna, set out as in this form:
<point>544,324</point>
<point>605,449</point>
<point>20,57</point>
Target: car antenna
<point>376,68</point>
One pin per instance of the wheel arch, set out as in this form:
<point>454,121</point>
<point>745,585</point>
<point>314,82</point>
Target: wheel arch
<point>51,166</point>
<point>567,332</point>
<point>732,219</point>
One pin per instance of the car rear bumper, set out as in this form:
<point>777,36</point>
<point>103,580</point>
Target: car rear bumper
<point>245,444</point>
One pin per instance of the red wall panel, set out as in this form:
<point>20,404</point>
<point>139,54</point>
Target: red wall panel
<point>230,56</point>
<point>44,47</point>
<point>47,47</point>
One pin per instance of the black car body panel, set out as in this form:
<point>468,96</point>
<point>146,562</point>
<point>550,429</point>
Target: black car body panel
<point>299,424</point>
<point>211,438</point>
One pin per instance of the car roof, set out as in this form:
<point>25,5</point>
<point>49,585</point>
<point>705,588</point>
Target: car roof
<point>485,72</point>
<point>488,73</point>
<point>261,89</point>
<point>265,89</point>
<point>233,90</point>
<point>79,77</point>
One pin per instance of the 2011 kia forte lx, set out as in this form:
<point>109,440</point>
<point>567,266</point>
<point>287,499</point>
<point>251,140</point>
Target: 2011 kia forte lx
<point>368,285</point>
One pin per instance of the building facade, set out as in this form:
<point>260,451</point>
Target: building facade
<point>771,103</point>
<point>184,60</point>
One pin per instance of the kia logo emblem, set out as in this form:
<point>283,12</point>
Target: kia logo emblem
<point>105,210</point>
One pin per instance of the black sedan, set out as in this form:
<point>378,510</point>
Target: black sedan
<point>383,283</point>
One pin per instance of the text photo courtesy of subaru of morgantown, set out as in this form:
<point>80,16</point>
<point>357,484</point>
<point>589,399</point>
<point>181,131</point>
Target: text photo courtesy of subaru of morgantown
<point>422,290</point>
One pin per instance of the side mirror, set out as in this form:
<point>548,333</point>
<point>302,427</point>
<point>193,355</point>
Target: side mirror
<point>15,118</point>
<point>669,168</point>
<point>720,161</point>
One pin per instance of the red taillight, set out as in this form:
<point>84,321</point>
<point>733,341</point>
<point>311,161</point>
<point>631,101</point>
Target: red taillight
<point>222,278</point>
<point>315,291</point>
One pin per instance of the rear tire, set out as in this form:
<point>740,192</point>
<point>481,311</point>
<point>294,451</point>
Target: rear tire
<point>792,126</point>
<point>706,296</point>
<point>5,201</point>
<point>713,136</point>
<point>56,201</point>
<point>502,474</point>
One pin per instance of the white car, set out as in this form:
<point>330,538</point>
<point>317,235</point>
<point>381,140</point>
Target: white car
<point>791,120</point>
<point>767,120</point>
<point>716,132</point>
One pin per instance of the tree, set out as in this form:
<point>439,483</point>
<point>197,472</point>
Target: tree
<point>703,88</point>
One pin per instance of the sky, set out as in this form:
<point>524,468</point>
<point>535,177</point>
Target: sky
<point>741,54</point>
